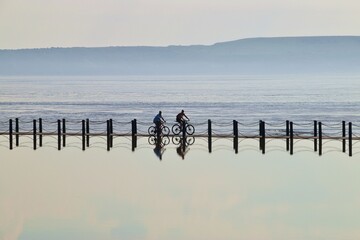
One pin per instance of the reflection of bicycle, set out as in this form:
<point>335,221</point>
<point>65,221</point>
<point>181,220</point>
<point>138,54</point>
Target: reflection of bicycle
<point>164,130</point>
<point>177,128</point>
<point>154,141</point>
<point>179,140</point>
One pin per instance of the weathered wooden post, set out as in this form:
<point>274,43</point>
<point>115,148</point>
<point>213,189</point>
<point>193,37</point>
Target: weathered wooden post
<point>59,133</point>
<point>83,135</point>
<point>209,136</point>
<point>10,134</point>
<point>287,133</point>
<point>343,136</point>
<point>291,138</point>
<point>263,137</point>
<point>108,135</point>
<point>183,135</point>
<point>64,131</point>
<point>17,132</point>
<point>87,133</point>
<point>320,138</point>
<point>260,134</point>
<point>34,134</point>
<point>133,135</point>
<point>111,133</point>
<point>236,136</point>
<point>315,136</point>
<point>40,132</point>
<point>350,139</point>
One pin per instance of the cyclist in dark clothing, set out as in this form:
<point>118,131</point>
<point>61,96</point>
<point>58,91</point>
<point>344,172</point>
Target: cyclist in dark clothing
<point>180,118</point>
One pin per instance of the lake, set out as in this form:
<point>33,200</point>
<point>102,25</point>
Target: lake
<point>121,194</point>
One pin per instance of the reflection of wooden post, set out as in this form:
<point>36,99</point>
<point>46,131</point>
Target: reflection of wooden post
<point>315,136</point>
<point>236,136</point>
<point>344,136</point>
<point>320,138</point>
<point>87,133</point>
<point>291,138</point>
<point>34,134</point>
<point>17,132</point>
<point>287,133</point>
<point>83,134</point>
<point>64,132</point>
<point>350,139</point>
<point>209,136</point>
<point>59,134</point>
<point>40,132</point>
<point>10,134</point>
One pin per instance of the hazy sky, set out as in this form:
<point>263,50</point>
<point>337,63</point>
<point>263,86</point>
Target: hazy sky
<point>65,23</point>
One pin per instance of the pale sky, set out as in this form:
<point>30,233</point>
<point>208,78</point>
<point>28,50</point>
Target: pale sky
<point>69,23</point>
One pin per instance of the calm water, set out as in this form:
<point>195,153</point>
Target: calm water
<point>71,194</point>
<point>220,98</point>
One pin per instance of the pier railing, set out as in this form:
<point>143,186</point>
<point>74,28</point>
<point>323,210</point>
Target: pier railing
<point>35,130</point>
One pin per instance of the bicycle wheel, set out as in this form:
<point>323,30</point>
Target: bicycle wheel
<point>176,129</point>
<point>190,129</point>
<point>165,140</point>
<point>190,140</point>
<point>152,130</point>
<point>152,140</point>
<point>165,130</point>
<point>176,140</point>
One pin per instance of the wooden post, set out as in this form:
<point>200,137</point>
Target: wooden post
<point>59,134</point>
<point>291,138</point>
<point>40,132</point>
<point>10,134</point>
<point>315,136</point>
<point>87,133</point>
<point>108,135</point>
<point>344,136</point>
<point>350,139</point>
<point>17,132</point>
<point>287,135</point>
<point>320,138</point>
<point>64,132</point>
<point>263,137</point>
<point>111,133</point>
<point>236,136</point>
<point>183,136</point>
<point>34,134</point>
<point>133,135</point>
<point>83,135</point>
<point>260,132</point>
<point>209,136</point>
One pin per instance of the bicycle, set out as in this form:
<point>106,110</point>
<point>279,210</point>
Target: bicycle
<point>177,128</point>
<point>165,130</point>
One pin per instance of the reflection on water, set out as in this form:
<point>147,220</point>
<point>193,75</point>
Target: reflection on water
<point>120,194</point>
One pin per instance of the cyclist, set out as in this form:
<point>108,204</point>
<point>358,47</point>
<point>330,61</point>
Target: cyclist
<point>180,118</point>
<point>158,120</point>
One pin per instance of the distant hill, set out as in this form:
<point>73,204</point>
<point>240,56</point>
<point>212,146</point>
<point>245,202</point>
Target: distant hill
<point>281,55</point>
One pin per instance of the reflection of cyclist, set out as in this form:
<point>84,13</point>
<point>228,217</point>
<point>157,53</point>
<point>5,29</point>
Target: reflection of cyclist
<point>180,152</point>
<point>158,150</point>
<point>180,117</point>
<point>158,120</point>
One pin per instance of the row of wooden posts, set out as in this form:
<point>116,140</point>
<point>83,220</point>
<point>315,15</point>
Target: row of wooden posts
<point>85,135</point>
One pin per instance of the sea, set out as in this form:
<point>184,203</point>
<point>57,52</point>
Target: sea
<point>219,98</point>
